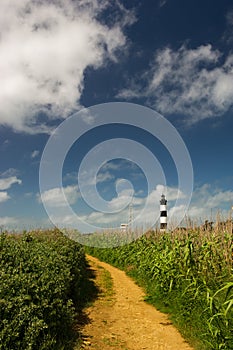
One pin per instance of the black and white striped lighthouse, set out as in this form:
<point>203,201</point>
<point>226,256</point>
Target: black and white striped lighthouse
<point>163,214</point>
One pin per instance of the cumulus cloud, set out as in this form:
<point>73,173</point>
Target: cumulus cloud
<point>206,203</point>
<point>6,183</point>
<point>120,206</point>
<point>122,200</point>
<point>89,178</point>
<point>191,82</point>
<point>45,48</point>
<point>57,197</point>
<point>4,197</point>
<point>104,176</point>
<point>207,198</point>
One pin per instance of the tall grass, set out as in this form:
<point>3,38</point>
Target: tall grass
<point>187,273</point>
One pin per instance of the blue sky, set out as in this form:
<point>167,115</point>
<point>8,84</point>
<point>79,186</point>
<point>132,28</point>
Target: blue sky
<point>57,57</point>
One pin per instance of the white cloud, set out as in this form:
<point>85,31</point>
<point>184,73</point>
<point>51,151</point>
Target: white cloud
<point>229,18</point>
<point>112,166</point>
<point>28,194</point>
<point>228,35</point>
<point>206,203</point>
<point>219,198</point>
<point>64,221</point>
<point>34,154</point>
<point>122,200</point>
<point>9,172</point>
<point>162,3</point>
<point>7,221</point>
<point>89,178</point>
<point>171,192</point>
<point>45,48</point>
<point>120,207</point>
<point>208,198</point>
<point>6,183</point>
<point>104,176</point>
<point>191,82</point>
<point>98,218</point>
<point>56,197</point>
<point>4,197</point>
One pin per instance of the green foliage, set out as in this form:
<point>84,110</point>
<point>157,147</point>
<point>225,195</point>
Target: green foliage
<point>42,276</point>
<point>188,275</point>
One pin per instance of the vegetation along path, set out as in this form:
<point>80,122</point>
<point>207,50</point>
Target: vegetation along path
<point>121,319</point>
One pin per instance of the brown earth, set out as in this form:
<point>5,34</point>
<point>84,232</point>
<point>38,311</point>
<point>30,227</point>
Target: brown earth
<point>122,319</point>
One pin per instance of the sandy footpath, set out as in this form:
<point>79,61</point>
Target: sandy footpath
<point>124,321</point>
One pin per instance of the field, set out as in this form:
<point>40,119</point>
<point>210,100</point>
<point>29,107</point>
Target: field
<point>44,285</point>
<point>187,274</point>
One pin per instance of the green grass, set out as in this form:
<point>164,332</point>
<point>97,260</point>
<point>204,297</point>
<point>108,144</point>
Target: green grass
<point>189,276</point>
<point>106,283</point>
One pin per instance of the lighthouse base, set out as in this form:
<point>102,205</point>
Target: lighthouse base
<point>163,226</point>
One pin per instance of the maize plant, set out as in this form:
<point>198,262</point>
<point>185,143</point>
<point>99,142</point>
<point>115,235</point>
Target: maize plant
<point>188,274</point>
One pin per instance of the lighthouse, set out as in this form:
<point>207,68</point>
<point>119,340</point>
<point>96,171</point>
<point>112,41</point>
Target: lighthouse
<point>163,214</point>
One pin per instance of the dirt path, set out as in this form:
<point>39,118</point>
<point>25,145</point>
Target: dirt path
<point>124,321</point>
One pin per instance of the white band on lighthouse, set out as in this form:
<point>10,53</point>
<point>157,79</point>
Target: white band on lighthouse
<point>163,207</point>
<point>163,220</point>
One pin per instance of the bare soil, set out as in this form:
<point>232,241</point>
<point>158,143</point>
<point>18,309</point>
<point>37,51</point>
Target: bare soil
<point>121,319</point>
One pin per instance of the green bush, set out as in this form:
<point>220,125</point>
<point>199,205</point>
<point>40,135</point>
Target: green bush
<point>41,279</point>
